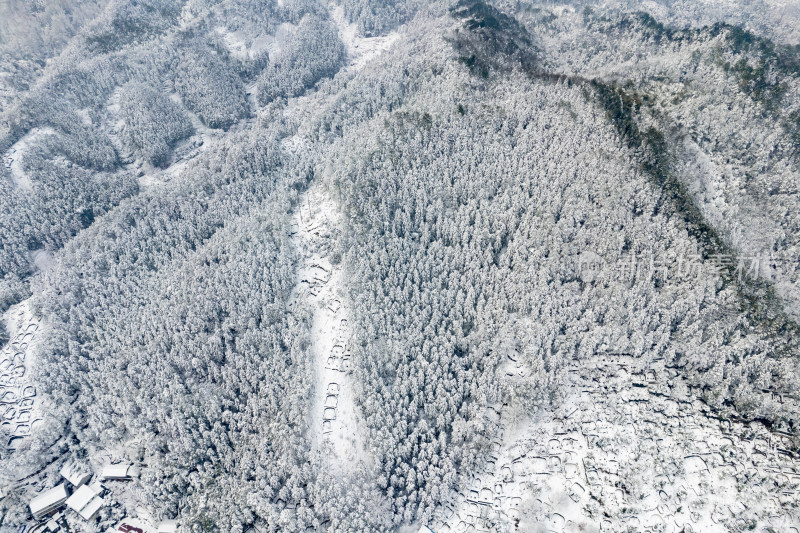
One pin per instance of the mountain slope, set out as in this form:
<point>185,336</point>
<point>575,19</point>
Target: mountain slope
<point>533,223</point>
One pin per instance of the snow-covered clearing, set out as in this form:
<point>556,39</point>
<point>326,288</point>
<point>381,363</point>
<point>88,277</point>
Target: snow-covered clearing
<point>117,126</point>
<point>42,259</point>
<point>236,42</point>
<point>334,426</point>
<point>18,414</point>
<point>360,49</point>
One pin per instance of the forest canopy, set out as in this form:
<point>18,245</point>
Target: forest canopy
<point>322,267</point>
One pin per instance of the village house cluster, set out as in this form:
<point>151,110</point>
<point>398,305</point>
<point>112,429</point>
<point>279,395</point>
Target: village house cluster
<point>80,495</point>
<point>83,495</point>
<point>77,493</point>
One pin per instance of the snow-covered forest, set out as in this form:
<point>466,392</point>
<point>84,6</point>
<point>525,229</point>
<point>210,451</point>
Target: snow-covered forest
<point>373,266</point>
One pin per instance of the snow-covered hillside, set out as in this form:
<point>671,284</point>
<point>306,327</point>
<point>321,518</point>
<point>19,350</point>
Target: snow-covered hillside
<point>399,266</point>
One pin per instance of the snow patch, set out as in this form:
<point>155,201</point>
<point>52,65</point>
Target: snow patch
<point>237,42</point>
<point>360,50</point>
<point>274,44</point>
<point>234,42</point>
<point>43,259</point>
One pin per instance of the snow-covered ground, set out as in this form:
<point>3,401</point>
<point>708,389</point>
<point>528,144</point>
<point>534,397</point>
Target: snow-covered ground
<point>12,159</point>
<point>18,413</point>
<point>629,450</point>
<point>334,427</point>
<point>42,259</point>
<point>243,48</point>
<point>360,49</point>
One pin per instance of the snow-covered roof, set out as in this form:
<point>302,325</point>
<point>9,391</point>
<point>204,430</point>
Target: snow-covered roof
<point>80,498</point>
<point>120,471</point>
<point>48,500</point>
<point>75,475</point>
<point>91,508</point>
<point>131,524</point>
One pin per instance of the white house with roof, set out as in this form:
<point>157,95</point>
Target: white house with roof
<point>131,525</point>
<point>75,475</point>
<point>85,502</point>
<point>48,501</point>
<point>122,471</point>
